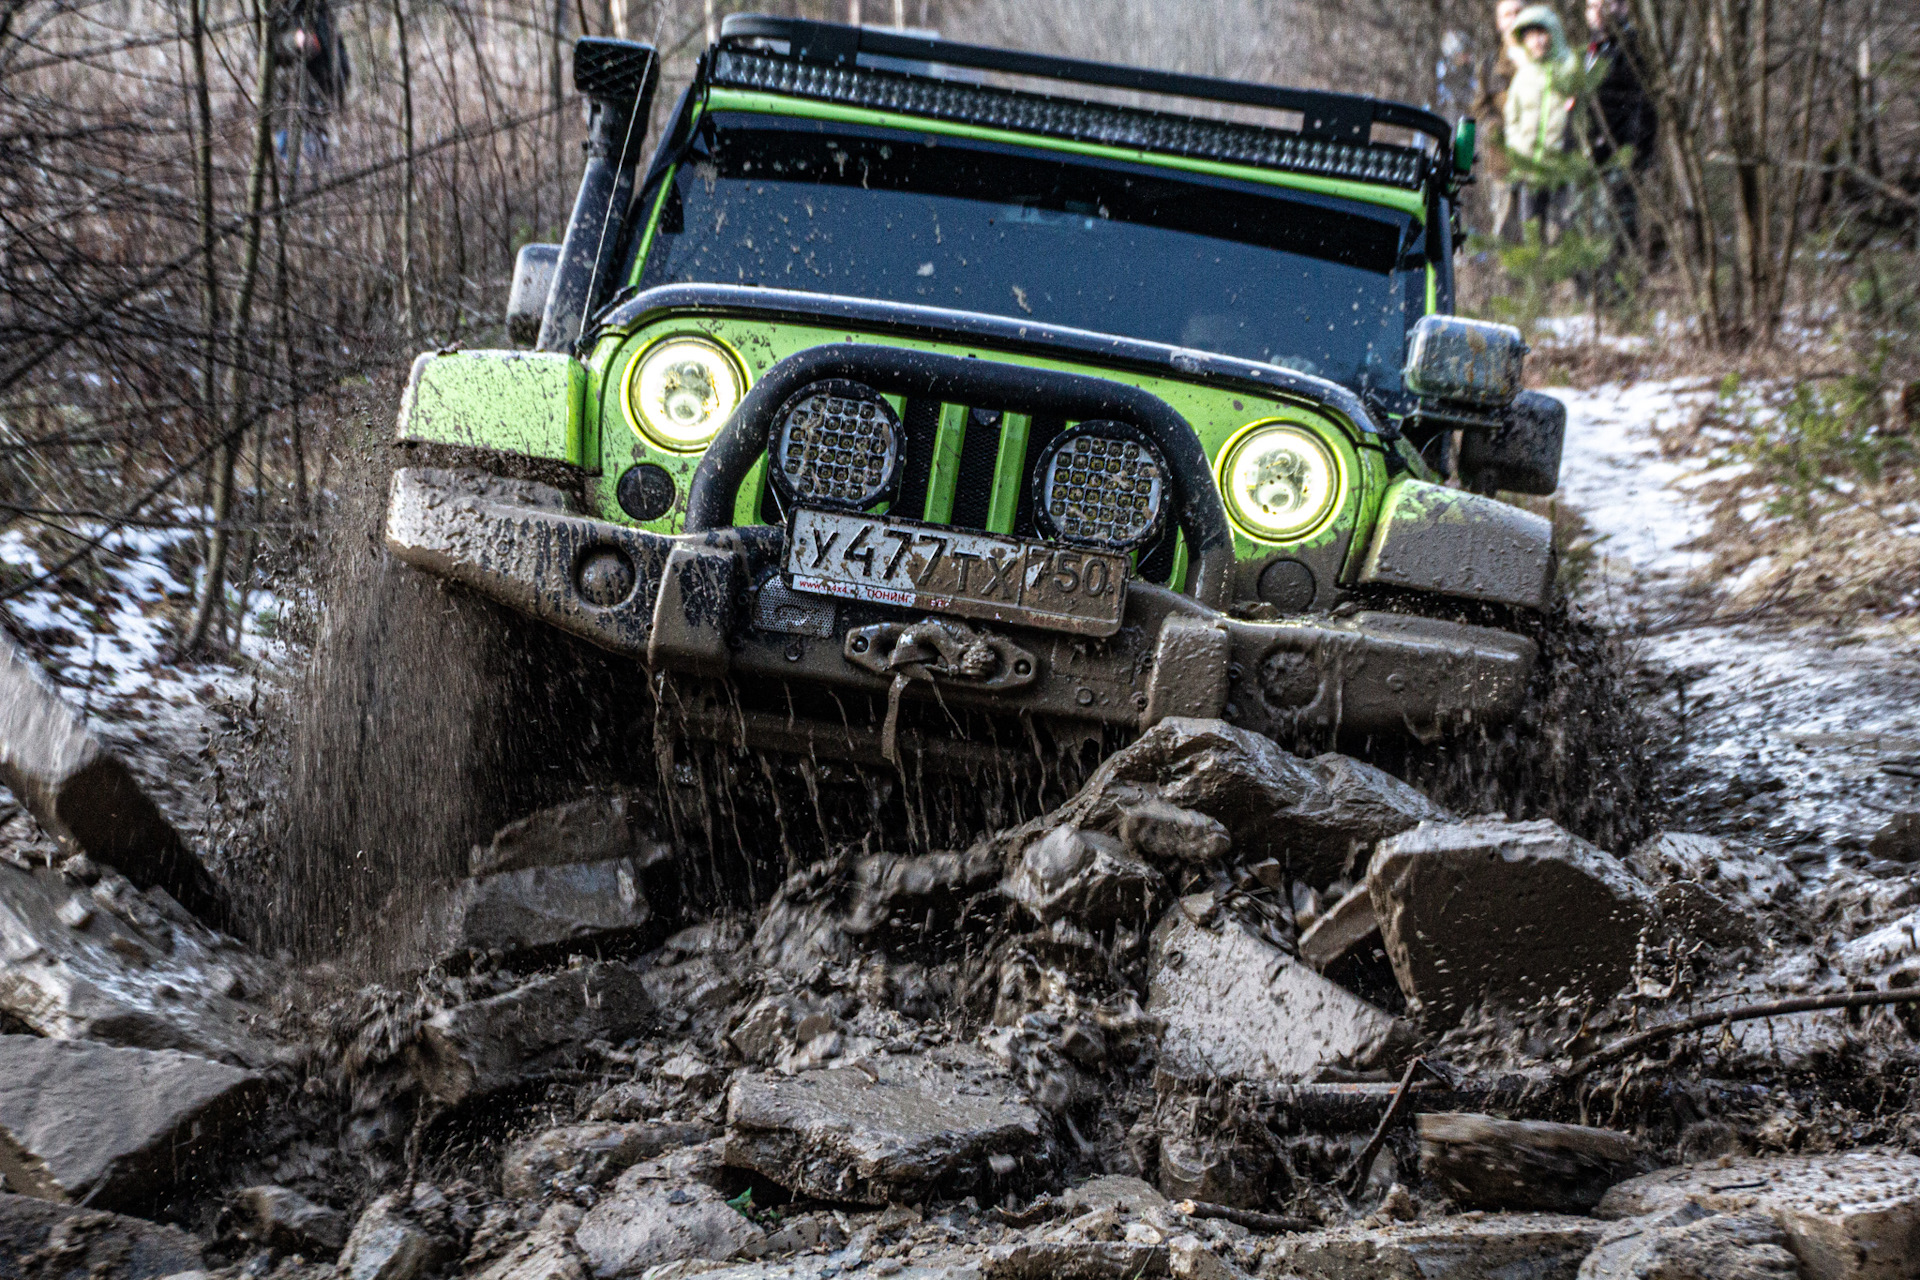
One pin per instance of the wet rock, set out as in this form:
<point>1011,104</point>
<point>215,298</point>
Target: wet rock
<point>1234,1006</point>
<point>288,1221</point>
<point>544,1255</point>
<point>1352,807</point>
<point>1083,876</point>
<point>1075,1260</point>
<point>890,1128</point>
<point>644,1224</point>
<point>1851,1215</point>
<point>895,893</point>
<point>1155,828</point>
<point>1692,910</point>
<point>1532,1246</point>
<point>1340,930</point>
<point>104,961</point>
<point>588,1154</point>
<point>1747,884</point>
<point>1873,954</point>
<point>1213,1170</point>
<point>1486,1163</point>
<point>694,994</point>
<point>603,826</point>
<point>1695,1243</point>
<point>479,1048</point>
<point>1188,1259</point>
<point>43,1241</point>
<point>532,915</point>
<point>115,1128</point>
<point>1899,839</point>
<point>1117,1191</point>
<point>388,1244</point>
<point>1508,912</point>
<point>84,796</point>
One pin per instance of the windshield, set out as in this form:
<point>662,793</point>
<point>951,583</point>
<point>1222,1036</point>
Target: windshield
<point>1313,283</point>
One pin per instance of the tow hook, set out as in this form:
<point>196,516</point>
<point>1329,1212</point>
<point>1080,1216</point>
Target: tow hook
<point>936,651</point>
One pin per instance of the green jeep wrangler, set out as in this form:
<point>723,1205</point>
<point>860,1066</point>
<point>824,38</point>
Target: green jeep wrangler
<point>894,400</point>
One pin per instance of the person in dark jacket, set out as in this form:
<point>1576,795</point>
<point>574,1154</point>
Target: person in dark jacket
<point>1622,113</point>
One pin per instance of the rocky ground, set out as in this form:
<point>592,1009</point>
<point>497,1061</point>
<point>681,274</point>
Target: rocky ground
<point>1225,1012</point>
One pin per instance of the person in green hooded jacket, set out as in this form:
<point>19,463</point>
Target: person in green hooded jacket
<point>1538,108</point>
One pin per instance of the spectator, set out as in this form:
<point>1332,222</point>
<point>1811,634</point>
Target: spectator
<point>1538,103</point>
<point>1622,115</point>
<point>1489,108</point>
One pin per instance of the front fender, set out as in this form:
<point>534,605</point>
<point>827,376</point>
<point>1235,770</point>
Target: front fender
<point>1455,543</point>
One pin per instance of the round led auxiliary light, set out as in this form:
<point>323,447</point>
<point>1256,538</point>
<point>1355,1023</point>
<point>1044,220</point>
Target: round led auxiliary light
<point>681,392</point>
<point>1101,484</point>
<point>836,444</point>
<point>1280,481</point>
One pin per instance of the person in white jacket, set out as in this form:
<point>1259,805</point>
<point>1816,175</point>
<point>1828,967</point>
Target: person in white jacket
<point>1539,104</point>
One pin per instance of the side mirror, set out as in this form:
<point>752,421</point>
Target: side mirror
<point>1522,453</point>
<point>527,300</point>
<point>1464,368</point>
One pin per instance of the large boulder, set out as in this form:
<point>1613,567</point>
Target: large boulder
<point>1692,1242</point>
<point>484,1046</point>
<point>1517,1246</point>
<point>895,1127</point>
<point>84,796</point>
<point>1238,1007</point>
<point>1486,1163</point>
<point>44,1241</point>
<point>114,1128</point>
<point>104,961</point>
<point>1511,913</point>
<point>1849,1215</point>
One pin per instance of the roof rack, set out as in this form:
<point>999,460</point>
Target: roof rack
<point>822,60</point>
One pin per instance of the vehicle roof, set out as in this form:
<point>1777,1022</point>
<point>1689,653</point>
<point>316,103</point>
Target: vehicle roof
<point>926,76</point>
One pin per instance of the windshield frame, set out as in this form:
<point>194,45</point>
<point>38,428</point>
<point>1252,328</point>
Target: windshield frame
<point>1338,197</point>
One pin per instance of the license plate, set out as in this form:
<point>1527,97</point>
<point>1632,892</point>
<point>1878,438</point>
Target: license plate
<point>956,571</point>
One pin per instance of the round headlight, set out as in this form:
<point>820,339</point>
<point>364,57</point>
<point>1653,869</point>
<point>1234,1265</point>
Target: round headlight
<point>836,443</point>
<point>1102,484</point>
<point>681,392</point>
<point>1280,481</point>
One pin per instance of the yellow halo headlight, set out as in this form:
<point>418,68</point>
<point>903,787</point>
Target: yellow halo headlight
<point>681,391</point>
<point>1280,481</point>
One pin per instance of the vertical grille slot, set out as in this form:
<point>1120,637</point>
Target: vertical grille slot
<point>973,491</point>
<point>920,419</point>
<point>1039,436</point>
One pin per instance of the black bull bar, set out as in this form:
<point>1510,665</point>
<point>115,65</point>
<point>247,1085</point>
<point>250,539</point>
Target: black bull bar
<point>699,603</point>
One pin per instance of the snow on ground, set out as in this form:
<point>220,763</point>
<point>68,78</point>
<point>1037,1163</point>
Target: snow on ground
<point>1785,729</point>
<point>109,655</point>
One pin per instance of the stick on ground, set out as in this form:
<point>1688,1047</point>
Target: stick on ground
<point>1742,1013</point>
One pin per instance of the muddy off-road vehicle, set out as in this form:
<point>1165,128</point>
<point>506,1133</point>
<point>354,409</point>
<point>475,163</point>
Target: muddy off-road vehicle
<point>895,393</point>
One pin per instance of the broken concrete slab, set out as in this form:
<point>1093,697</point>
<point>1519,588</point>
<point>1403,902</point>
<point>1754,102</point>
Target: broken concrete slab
<point>1086,877</point>
<point>589,1154</point>
<point>890,1128</point>
<point>289,1222</point>
<point>1482,1162</point>
<point>1237,1007</point>
<point>1340,930</point>
<point>1692,1241</point>
<point>113,1128</point>
<point>1850,1215</point>
<point>40,1240</point>
<point>644,1224</point>
<point>1508,912</point>
<point>541,913</point>
<point>601,826</point>
<point>484,1046</point>
<point>1517,1246</point>
<point>84,796</point>
<point>106,962</point>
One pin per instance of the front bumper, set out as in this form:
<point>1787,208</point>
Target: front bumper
<point>715,605</point>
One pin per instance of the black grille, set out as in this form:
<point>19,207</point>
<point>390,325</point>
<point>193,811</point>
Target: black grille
<point>973,488</point>
<point>1039,436</point>
<point>920,422</point>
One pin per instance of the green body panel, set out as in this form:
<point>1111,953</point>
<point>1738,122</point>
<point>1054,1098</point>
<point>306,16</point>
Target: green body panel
<point>526,402</point>
<point>948,437</point>
<point>1215,413</point>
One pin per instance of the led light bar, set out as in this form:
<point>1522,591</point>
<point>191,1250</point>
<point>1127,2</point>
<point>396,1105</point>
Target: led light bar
<point>1080,121</point>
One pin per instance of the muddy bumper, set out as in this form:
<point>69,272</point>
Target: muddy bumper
<point>717,605</point>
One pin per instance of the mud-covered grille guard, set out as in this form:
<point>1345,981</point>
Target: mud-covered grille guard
<point>688,605</point>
